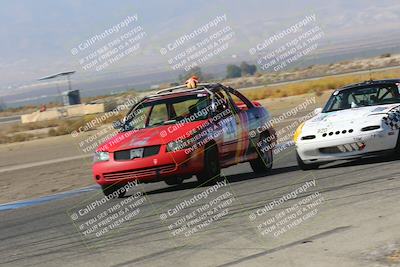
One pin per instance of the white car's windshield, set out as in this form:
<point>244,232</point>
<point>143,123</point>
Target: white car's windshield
<point>363,96</point>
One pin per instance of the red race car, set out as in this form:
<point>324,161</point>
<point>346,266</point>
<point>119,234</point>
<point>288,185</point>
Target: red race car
<point>194,129</point>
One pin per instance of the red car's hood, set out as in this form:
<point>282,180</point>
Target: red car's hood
<point>148,137</point>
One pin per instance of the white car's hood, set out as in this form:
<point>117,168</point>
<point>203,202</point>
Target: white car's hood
<point>353,118</point>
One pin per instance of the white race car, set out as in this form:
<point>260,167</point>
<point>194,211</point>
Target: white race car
<point>358,120</point>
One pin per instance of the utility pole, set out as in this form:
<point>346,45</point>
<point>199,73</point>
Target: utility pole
<point>3,105</point>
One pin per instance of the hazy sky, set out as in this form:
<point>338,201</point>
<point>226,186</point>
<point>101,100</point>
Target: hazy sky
<point>37,35</point>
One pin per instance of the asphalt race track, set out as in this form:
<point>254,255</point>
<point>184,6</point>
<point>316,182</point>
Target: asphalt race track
<point>355,223</point>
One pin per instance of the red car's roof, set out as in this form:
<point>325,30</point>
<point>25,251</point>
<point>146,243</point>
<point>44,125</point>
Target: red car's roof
<point>176,94</point>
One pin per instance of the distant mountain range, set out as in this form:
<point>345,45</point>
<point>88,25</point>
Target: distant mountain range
<point>39,35</point>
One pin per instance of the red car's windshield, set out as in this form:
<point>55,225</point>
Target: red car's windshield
<point>181,109</point>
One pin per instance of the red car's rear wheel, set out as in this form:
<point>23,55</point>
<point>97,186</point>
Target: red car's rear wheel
<point>264,161</point>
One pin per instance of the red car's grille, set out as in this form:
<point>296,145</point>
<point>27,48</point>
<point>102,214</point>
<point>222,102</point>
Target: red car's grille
<point>147,152</point>
<point>140,173</point>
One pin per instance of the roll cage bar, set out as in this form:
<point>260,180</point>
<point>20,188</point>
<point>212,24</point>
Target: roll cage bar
<point>210,88</point>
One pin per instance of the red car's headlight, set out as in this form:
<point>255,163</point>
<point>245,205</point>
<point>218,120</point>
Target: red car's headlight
<point>101,156</point>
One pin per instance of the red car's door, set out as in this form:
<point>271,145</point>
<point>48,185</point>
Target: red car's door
<point>233,126</point>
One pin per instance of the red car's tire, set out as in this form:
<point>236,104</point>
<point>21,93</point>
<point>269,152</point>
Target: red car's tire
<point>265,159</point>
<point>175,180</point>
<point>212,170</point>
<point>110,189</point>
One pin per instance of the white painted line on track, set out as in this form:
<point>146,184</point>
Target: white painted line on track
<point>44,199</point>
<point>41,163</point>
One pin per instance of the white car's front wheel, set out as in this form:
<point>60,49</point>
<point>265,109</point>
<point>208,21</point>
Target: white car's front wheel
<point>305,166</point>
<point>396,152</point>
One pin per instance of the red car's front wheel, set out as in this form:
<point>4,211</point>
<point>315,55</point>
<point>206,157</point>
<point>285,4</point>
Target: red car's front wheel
<point>175,180</point>
<point>113,190</point>
<point>212,170</point>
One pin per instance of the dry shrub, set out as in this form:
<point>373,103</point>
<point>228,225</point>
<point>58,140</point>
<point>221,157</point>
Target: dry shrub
<point>33,126</point>
<point>68,126</point>
<point>16,138</point>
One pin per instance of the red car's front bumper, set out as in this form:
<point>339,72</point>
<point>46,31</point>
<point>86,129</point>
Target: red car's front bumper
<point>150,169</point>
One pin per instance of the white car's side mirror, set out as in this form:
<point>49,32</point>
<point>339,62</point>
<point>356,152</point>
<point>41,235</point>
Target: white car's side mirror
<point>213,106</point>
<point>317,111</point>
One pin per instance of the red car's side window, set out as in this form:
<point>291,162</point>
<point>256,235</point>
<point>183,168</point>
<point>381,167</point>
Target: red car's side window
<point>159,114</point>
